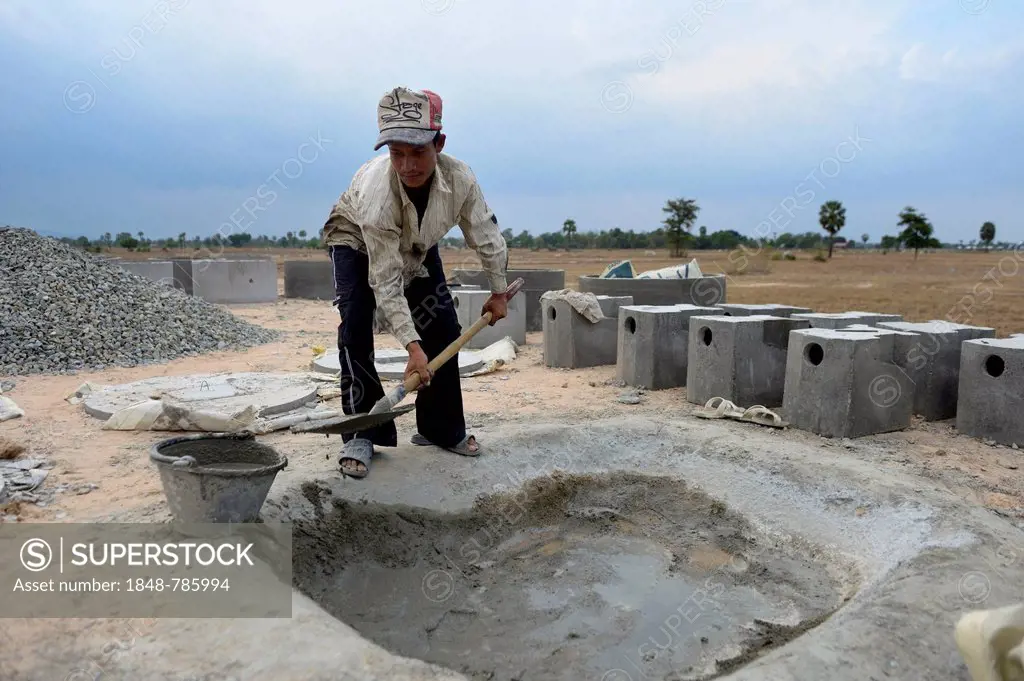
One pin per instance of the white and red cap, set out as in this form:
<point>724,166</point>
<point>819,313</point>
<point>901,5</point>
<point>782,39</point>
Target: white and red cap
<point>409,116</point>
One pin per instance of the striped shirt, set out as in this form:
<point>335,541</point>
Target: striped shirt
<point>375,216</point>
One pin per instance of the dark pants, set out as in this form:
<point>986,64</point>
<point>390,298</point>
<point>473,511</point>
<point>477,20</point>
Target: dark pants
<point>439,415</point>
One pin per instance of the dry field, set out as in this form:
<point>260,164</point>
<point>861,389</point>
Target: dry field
<point>985,289</point>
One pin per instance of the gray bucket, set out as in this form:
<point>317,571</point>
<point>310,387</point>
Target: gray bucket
<point>216,477</point>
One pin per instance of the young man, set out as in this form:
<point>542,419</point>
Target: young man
<point>382,235</point>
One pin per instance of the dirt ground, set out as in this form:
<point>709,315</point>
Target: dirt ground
<point>967,287</point>
<point>109,471</point>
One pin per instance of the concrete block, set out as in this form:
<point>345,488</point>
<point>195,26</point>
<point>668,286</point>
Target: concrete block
<point>742,359</point>
<point>705,291</point>
<point>309,279</point>
<point>770,309</point>
<point>839,320</point>
<point>468,307</point>
<point>653,342</point>
<point>848,382</point>
<point>160,272</point>
<point>572,342</point>
<point>182,273</point>
<point>536,283</point>
<point>933,362</point>
<point>234,281</point>
<point>991,390</point>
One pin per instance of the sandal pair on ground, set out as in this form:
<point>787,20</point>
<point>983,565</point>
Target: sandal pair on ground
<point>360,451</point>
<point>721,408</point>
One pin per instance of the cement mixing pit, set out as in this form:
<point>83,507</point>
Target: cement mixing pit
<point>571,577</point>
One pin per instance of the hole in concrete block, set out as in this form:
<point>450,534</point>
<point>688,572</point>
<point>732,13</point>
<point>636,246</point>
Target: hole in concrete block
<point>630,324</point>
<point>250,281</point>
<point>814,353</point>
<point>577,571</point>
<point>994,366</point>
<point>551,313</point>
<point>455,301</point>
<point>705,335</point>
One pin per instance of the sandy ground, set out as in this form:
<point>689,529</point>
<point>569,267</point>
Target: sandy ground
<point>126,483</point>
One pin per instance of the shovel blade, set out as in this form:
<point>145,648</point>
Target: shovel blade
<point>341,425</point>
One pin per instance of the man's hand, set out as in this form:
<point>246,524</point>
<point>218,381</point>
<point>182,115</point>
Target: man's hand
<point>418,364</point>
<point>497,305</point>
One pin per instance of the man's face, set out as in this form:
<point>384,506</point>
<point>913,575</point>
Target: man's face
<point>415,164</point>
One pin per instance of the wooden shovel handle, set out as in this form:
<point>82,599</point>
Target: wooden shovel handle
<point>413,381</point>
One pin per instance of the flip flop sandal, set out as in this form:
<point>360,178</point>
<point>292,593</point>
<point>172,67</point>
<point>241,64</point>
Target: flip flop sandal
<point>719,408</point>
<point>462,448</point>
<point>762,416</point>
<point>356,450</point>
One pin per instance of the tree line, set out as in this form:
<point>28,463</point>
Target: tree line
<point>914,231</point>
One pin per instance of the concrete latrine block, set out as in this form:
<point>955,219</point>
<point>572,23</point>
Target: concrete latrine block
<point>848,382</point>
<point>571,341</point>
<point>839,320</point>
<point>469,305</point>
<point>932,361</point>
<point>234,281</point>
<point>770,309</point>
<point>653,343</point>
<point>991,390</point>
<point>742,359</point>
<point>535,284</point>
<point>161,272</point>
<point>309,279</point>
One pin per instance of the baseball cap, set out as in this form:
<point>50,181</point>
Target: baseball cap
<point>409,116</point>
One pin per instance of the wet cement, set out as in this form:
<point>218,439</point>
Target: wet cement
<point>570,577</point>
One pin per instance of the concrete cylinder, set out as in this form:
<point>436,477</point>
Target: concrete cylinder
<point>704,291</point>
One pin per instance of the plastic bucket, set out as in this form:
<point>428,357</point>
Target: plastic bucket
<point>216,477</point>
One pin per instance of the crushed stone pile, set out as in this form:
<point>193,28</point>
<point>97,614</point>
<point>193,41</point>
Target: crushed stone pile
<point>61,310</point>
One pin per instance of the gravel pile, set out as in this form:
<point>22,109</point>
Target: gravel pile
<point>61,310</point>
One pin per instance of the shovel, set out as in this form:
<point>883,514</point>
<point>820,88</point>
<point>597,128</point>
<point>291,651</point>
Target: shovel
<point>386,409</point>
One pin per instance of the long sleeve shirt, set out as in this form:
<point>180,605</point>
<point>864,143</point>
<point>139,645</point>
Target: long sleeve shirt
<point>375,216</point>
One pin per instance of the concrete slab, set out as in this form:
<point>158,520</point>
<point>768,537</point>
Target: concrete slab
<point>390,363</point>
<point>912,558</point>
<point>572,342</point>
<point>309,279</point>
<point>848,382</point>
<point>468,306</point>
<point>772,309</point>
<point>235,281</point>
<point>221,393</point>
<point>653,344</point>
<point>706,291</point>
<point>838,320</point>
<point>536,283</point>
<point>991,390</point>
<point>161,272</point>
<point>742,359</point>
<point>933,362</point>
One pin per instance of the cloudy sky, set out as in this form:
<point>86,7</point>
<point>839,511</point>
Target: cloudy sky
<point>182,115</point>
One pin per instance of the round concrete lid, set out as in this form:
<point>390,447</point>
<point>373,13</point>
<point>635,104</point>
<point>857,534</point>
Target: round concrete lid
<point>219,393</point>
<point>390,363</point>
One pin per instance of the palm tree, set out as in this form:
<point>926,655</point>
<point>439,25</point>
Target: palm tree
<point>569,228</point>
<point>682,213</point>
<point>988,234</point>
<point>832,217</point>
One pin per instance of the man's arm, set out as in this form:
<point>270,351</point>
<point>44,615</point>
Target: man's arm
<point>480,229</point>
<point>385,277</point>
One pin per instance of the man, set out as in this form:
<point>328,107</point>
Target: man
<point>382,235</point>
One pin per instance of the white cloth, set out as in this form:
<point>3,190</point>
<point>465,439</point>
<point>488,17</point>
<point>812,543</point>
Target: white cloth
<point>584,303</point>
